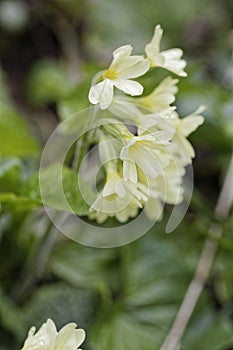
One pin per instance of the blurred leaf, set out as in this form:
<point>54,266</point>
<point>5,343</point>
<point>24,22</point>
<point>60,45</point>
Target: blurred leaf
<point>76,98</point>
<point>216,132</point>
<point>223,277</point>
<point>10,174</point>
<point>130,21</point>
<point>4,95</point>
<point>5,220</point>
<point>151,278</point>
<point>10,316</point>
<point>48,182</point>
<point>151,290</point>
<point>81,266</point>
<point>119,331</point>
<point>47,82</point>
<point>19,202</point>
<point>74,8</point>
<point>75,101</point>
<point>147,297</point>
<point>60,302</point>
<point>208,330</point>
<point>15,137</point>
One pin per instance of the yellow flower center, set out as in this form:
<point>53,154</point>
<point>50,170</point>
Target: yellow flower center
<point>110,74</point>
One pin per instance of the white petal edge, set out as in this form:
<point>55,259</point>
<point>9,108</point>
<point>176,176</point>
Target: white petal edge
<point>102,93</point>
<point>129,87</point>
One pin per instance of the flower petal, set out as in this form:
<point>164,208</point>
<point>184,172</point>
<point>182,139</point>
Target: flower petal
<point>157,60</point>
<point>172,54</point>
<point>173,61</point>
<point>191,122</point>
<point>122,51</point>
<point>153,47</point>
<point>69,338</point>
<point>161,97</point>
<point>184,149</point>
<point>102,93</point>
<point>43,339</point>
<point>154,209</point>
<point>124,109</point>
<point>129,87</point>
<point>80,336</point>
<point>133,67</point>
<point>120,54</point>
<point>130,171</point>
<point>147,162</point>
<point>120,189</point>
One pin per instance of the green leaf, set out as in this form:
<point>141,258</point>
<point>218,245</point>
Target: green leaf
<point>10,315</point>
<point>20,202</point>
<point>47,82</point>
<point>147,297</point>
<point>119,331</point>
<point>208,330</point>
<point>10,174</point>
<point>75,101</point>
<point>151,279</point>
<point>81,266</point>
<point>15,136</point>
<point>47,182</point>
<point>61,303</point>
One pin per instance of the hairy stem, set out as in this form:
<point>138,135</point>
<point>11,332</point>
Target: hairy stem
<point>172,341</point>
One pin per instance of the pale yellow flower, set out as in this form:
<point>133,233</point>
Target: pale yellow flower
<point>161,97</point>
<point>168,59</point>
<point>146,152</point>
<point>119,198</point>
<point>142,137</point>
<point>122,70</point>
<point>164,188</point>
<point>158,101</point>
<point>47,337</point>
<point>183,127</point>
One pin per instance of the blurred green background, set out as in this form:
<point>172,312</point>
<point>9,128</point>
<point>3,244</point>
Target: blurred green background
<point>125,298</point>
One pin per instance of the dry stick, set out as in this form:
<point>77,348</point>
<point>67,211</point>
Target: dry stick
<point>172,341</point>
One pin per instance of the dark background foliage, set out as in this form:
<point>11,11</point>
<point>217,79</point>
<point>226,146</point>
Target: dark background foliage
<point>126,298</point>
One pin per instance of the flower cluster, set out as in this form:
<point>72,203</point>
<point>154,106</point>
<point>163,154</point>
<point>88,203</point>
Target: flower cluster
<point>47,337</point>
<point>145,168</point>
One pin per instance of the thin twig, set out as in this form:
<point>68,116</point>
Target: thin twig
<point>223,206</point>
